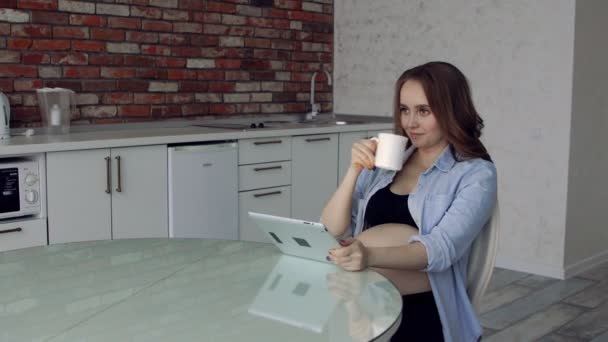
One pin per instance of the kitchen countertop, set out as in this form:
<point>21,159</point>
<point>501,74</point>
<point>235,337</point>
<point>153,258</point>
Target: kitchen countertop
<point>185,290</point>
<point>183,131</point>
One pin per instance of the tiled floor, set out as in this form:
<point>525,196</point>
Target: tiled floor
<point>523,307</point>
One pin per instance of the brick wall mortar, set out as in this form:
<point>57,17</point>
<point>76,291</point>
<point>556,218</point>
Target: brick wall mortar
<point>156,59</point>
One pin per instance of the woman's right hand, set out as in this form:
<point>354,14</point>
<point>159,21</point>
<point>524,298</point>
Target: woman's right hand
<point>363,154</point>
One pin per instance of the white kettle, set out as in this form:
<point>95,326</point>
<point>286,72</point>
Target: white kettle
<point>5,117</point>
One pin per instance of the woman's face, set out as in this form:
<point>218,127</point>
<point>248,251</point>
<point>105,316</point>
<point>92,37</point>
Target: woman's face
<point>417,119</point>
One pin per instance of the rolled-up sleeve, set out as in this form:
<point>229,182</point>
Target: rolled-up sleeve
<point>465,217</point>
<point>358,195</point>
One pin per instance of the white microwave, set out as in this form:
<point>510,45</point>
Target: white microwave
<point>19,188</point>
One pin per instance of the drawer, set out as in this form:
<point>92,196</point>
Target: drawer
<point>273,201</point>
<point>258,176</point>
<point>263,150</point>
<point>22,234</point>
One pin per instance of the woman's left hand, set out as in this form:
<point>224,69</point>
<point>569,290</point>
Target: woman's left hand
<point>351,257</point>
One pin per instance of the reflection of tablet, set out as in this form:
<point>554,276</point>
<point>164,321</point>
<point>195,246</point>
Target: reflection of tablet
<point>304,239</point>
<point>295,293</point>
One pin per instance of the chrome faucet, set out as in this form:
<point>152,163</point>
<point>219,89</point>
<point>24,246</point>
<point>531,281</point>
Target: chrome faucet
<point>315,107</point>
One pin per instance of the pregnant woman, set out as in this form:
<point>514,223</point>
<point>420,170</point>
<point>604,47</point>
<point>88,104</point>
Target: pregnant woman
<point>416,225</point>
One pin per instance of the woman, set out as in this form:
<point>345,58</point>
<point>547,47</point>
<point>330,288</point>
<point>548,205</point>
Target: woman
<point>416,225</point>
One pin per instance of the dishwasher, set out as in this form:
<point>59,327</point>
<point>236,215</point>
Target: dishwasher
<point>203,191</point>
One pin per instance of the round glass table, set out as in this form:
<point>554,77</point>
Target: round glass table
<point>187,289</point>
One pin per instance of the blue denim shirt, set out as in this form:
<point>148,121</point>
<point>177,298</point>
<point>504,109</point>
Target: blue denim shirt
<point>450,204</point>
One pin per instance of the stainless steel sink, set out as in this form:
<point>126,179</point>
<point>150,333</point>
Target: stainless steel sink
<point>336,122</point>
<point>322,119</point>
<point>333,122</point>
<point>284,122</point>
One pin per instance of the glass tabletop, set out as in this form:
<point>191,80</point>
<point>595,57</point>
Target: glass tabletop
<point>187,289</point>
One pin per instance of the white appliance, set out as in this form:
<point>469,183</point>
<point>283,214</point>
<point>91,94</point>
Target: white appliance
<point>203,191</point>
<point>5,117</point>
<point>19,188</point>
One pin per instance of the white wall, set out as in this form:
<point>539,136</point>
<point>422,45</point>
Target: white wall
<point>586,233</point>
<point>518,56</point>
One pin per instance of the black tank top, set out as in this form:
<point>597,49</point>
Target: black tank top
<point>387,207</point>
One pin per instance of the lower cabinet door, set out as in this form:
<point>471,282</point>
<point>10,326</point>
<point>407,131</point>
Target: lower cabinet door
<point>271,201</point>
<point>79,195</point>
<point>345,146</point>
<point>314,174</point>
<point>22,234</point>
<point>139,194</point>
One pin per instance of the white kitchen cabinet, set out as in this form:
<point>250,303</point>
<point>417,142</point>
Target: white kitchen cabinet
<point>259,150</point>
<point>376,132</point>
<point>314,174</point>
<point>344,151</point>
<point>139,205</point>
<point>264,182</point>
<point>346,142</point>
<point>87,201</point>
<point>272,201</point>
<point>79,199</point>
<point>15,234</point>
<point>264,175</point>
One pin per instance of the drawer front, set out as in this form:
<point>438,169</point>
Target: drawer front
<point>22,234</point>
<point>273,201</point>
<point>263,150</point>
<point>258,176</point>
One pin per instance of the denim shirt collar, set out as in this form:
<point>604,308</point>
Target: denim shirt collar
<point>446,160</point>
<point>444,163</point>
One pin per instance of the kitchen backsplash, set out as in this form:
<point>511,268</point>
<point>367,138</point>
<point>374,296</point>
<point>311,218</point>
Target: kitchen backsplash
<point>141,60</point>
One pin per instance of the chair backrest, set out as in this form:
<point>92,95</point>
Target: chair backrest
<point>482,259</point>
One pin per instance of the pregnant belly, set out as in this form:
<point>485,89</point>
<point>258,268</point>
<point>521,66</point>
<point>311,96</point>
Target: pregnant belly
<point>393,235</point>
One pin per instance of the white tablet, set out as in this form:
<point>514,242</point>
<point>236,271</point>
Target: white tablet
<point>304,239</point>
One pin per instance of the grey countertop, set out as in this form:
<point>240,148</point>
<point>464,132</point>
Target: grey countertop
<point>185,131</point>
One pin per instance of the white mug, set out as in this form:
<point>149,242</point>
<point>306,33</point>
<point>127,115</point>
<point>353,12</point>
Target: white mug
<point>390,151</point>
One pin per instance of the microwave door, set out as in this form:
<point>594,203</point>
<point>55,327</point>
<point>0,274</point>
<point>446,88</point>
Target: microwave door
<point>9,190</point>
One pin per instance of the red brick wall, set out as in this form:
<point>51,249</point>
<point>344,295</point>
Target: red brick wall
<point>136,60</point>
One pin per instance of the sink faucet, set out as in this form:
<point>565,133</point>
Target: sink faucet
<point>315,107</point>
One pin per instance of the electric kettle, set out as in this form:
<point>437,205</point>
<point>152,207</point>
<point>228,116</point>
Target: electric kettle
<point>5,117</point>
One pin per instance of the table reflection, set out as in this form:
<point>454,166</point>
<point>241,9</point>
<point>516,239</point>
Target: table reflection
<point>183,290</point>
<point>296,293</point>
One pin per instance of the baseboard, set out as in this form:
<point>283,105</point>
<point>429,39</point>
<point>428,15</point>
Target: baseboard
<point>586,264</point>
<point>545,270</point>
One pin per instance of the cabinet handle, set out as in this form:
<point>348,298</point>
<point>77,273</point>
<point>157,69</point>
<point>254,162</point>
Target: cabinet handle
<point>278,167</point>
<point>119,186</point>
<point>14,230</point>
<point>268,194</point>
<point>267,142</point>
<point>317,139</point>
<point>108,171</point>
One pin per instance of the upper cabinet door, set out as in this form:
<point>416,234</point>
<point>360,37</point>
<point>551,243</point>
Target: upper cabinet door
<point>344,153</point>
<point>314,174</point>
<point>79,195</point>
<point>139,192</point>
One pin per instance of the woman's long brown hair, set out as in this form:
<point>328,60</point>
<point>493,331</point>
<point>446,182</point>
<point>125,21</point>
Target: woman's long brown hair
<point>449,95</point>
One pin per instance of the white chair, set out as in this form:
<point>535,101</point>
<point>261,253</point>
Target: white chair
<point>482,260</point>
